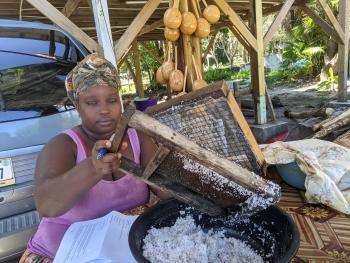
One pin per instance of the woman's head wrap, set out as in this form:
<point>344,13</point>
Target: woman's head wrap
<point>90,72</point>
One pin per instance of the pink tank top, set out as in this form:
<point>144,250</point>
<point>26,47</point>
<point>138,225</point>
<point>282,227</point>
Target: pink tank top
<point>106,196</point>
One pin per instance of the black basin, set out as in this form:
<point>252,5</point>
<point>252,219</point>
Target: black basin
<point>272,233</point>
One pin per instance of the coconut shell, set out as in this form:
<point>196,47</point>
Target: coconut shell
<point>203,28</point>
<point>159,76</point>
<point>172,18</point>
<point>176,80</point>
<point>167,68</point>
<point>171,34</point>
<point>199,83</point>
<point>212,14</point>
<point>188,24</point>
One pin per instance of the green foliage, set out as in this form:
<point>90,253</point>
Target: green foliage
<point>154,89</point>
<point>213,75</point>
<point>271,77</point>
<point>328,85</point>
<point>307,42</point>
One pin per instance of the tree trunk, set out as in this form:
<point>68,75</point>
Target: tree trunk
<point>330,60</point>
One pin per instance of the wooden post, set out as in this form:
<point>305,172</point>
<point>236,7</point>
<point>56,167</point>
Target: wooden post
<point>187,50</point>
<point>139,86</point>
<point>257,63</point>
<point>196,48</point>
<point>343,50</point>
<point>104,34</point>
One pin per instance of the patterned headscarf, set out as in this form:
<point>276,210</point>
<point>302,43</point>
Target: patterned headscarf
<point>91,71</point>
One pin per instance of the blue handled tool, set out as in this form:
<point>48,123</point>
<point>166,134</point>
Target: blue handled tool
<point>103,151</point>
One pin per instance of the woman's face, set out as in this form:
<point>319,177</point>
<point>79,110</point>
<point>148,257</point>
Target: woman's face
<point>99,108</point>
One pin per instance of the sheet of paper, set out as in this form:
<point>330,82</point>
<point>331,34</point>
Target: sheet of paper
<point>103,240</point>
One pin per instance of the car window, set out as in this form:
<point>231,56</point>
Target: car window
<point>38,41</point>
<point>32,73</point>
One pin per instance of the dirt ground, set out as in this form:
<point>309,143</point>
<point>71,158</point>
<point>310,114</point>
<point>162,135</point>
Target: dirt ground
<point>299,96</point>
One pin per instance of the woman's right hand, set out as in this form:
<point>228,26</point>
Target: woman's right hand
<point>110,162</point>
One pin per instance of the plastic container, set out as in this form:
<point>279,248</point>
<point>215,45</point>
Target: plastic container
<point>144,103</point>
<point>272,233</point>
<point>292,175</point>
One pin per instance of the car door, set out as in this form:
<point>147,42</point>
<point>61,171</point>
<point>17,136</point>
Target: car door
<point>33,109</point>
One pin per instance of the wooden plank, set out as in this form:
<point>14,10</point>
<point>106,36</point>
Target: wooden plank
<point>137,61</point>
<point>333,19</point>
<point>155,161</point>
<point>196,51</point>
<point>152,52</point>
<point>149,28</point>
<point>210,45</point>
<point>121,128</point>
<point>343,51</point>
<point>236,111</point>
<point>269,106</point>
<point>120,62</point>
<point>237,23</point>
<point>70,7</point>
<point>183,194</point>
<point>63,22</point>
<point>277,21</point>
<point>329,30</point>
<point>240,38</point>
<point>133,30</point>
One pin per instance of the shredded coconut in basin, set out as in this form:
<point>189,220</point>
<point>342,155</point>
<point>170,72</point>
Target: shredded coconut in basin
<point>186,243</point>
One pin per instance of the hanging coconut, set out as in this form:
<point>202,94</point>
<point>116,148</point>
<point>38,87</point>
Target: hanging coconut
<point>171,34</point>
<point>176,80</point>
<point>172,18</point>
<point>203,28</point>
<point>159,76</point>
<point>211,13</point>
<point>188,23</point>
<point>167,68</point>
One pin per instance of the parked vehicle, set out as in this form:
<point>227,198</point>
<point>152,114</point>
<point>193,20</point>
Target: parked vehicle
<point>34,60</point>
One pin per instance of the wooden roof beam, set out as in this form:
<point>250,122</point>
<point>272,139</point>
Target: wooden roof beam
<point>329,30</point>
<point>148,28</point>
<point>133,30</point>
<point>333,19</point>
<point>63,22</point>
<point>70,7</point>
<point>278,20</point>
<point>237,23</point>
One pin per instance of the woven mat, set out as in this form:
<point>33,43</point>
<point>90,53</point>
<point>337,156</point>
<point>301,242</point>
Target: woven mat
<point>324,233</point>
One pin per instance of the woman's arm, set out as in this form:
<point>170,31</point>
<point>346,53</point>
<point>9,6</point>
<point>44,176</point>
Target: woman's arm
<point>148,150</point>
<point>59,182</point>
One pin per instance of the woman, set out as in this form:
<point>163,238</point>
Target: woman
<point>71,183</point>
